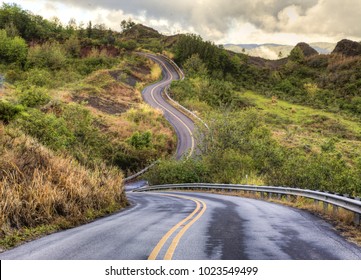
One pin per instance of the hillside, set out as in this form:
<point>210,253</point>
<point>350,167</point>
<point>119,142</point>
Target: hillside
<point>276,51</point>
<point>73,123</point>
<point>289,122</point>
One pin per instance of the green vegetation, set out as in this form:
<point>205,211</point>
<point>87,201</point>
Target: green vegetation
<point>12,50</point>
<point>258,138</point>
<point>72,123</point>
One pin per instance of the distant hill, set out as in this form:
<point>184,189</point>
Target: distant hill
<point>275,51</point>
<point>348,48</point>
<point>140,31</point>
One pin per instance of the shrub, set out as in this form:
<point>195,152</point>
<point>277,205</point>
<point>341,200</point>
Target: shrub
<point>48,55</point>
<point>47,128</point>
<point>73,47</point>
<point>38,77</point>
<point>34,97</point>
<point>88,65</point>
<point>8,111</point>
<point>141,140</point>
<point>194,66</point>
<point>174,172</point>
<point>12,50</point>
<point>129,45</point>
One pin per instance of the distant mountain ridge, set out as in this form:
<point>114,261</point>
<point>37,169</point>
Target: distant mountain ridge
<point>276,51</point>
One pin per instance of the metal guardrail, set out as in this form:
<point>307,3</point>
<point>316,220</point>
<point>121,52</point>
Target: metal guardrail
<point>351,204</point>
<point>177,68</point>
<point>166,91</point>
<point>140,172</point>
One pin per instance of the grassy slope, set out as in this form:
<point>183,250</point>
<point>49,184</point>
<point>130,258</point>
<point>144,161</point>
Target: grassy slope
<point>300,126</point>
<point>44,190</point>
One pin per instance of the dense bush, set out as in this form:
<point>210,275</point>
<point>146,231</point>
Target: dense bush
<point>141,140</point>
<point>88,65</point>
<point>129,45</point>
<point>47,128</point>
<point>9,111</point>
<point>47,55</point>
<point>34,97</point>
<point>12,50</point>
<point>172,171</point>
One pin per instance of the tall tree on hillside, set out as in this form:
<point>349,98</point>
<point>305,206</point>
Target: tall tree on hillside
<point>89,30</point>
<point>297,55</point>
<point>127,24</point>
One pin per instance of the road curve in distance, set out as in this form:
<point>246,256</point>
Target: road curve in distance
<point>182,124</point>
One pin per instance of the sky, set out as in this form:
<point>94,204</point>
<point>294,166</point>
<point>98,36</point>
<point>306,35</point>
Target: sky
<point>221,21</point>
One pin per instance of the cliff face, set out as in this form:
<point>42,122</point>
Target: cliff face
<point>348,48</point>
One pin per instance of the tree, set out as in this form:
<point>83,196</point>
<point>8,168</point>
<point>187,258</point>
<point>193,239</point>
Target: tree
<point>89,30</point>
<point>126,25</point>
<point>280,54</point>
<point>194,66</point>
<point>72,46</point>
<point>11,30</point>
<point>218,61</point>
<point>297,55</point>
<point>12,50</point>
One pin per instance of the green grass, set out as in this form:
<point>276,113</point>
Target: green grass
<point>26,234</point>
<point>304,127</point>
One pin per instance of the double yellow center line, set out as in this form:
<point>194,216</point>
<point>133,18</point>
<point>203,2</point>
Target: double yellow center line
<point>185,223</point>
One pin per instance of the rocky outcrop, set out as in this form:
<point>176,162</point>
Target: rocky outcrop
<point>348,48</point>
<point>306,49</point>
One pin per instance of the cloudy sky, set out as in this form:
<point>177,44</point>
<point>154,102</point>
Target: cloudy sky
<point>222,21</point>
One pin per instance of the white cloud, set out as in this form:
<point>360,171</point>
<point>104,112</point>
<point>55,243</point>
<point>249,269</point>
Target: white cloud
<point>280,21</point>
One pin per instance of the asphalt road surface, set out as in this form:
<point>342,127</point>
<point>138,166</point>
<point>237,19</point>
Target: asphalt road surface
<point>192,226</point>
<point>183,125</point>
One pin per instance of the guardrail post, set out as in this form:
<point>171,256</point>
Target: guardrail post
<point>356,216</point>
<point>334,210</point>
<point>325,206</point>
<point>315,202</point>
<point>262,195</point>
<point>357,219</point>
<point>279,196</point>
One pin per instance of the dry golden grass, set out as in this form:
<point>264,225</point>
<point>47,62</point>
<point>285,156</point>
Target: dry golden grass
<point>169,54</point>
<point>155,72</point>
<point>38,188</point>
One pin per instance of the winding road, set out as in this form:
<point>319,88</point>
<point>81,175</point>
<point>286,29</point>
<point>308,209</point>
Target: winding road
<point>192,226</point>
<point>182,124</point>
